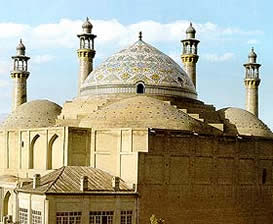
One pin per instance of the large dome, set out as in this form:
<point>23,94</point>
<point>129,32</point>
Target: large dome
<point>242,122</point>
<point>139,64</point>
<point>144,112</point>
<point>33,114</point>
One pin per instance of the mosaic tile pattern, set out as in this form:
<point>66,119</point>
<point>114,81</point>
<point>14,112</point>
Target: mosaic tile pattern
<point>140,62</point>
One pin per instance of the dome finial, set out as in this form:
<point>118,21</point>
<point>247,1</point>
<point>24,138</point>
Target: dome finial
<point>140,35</point>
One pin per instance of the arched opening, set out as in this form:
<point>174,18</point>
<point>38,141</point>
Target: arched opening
<point>180,81</point>
<point>7,205</point>
<point>140,88</point>
<point>31,152</point>
<point>55,153</point>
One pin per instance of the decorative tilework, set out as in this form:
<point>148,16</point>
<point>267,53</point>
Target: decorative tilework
<point>140,62</point>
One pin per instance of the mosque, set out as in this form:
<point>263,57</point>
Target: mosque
<point>135,145</point>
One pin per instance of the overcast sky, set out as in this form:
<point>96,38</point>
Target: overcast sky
<point>226,29</point>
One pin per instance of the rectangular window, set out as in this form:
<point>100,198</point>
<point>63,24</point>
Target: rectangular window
<point>36,217</point>
<point>23,214</point>
<point>126,217</point>
<point>101,217</point>
<point>68,217</point>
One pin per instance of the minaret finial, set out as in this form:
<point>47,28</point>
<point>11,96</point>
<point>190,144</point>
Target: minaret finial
<point>87,19</point>
<point>21,40</point>
<point>140,35</point>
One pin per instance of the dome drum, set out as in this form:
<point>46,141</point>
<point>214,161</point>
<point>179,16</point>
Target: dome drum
<point>133,89</point>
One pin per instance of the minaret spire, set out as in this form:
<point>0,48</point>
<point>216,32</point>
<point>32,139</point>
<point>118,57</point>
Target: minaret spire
<point>19,74</point>
<point>252,82</point>
<point>140,35</point>
<point>86,52</point>
<point>189,56</point>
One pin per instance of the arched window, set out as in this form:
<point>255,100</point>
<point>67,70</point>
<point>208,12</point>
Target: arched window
<point>7,209</point>
<point>31,152</point>
<point>54,155</point>
<point>140,88</point>
<point>180,81</point>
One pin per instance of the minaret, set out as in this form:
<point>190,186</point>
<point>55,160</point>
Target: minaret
<point>19,74</point>
<point>189,56</point>
<point>86,53</point>
<point>252,82</point>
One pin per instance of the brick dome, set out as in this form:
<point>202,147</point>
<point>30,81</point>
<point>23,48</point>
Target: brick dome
<point>33,114</point>
<point>144,112</point>
<point>243,122</point>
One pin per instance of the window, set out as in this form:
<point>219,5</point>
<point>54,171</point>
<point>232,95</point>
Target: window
<point>140,88</point>
<point>23,212</point>
<point>101,217</point>
<point>68,217</point>
<point>126,217</point>
<point>36,217</point>
<point>181,82</point>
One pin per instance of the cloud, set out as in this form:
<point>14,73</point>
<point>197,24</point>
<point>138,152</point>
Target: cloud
<point>13,30</point>
<point>3,83</point>
<point>39,59</point>
<point>4,67</point>
<point>63,33</point>
<point>218,58</point>
<point>253,41</point>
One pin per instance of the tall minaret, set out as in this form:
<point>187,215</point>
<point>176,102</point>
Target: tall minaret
<point>86,53</point>
<point>19,74</point>
<point>189,55</point>
<point>252,82</point>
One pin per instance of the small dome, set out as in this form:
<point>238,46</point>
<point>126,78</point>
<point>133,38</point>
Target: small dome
<point>20,49</point>
<point>252,56</point>
<point>190,29</point>
<point>252,53</point>
<point>242,122</point>
<point>21,46</point>
<point>87,26</point>
<point>144,112</point>
<point>33,114</point>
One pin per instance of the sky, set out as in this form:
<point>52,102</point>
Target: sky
<point>226,29</point>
